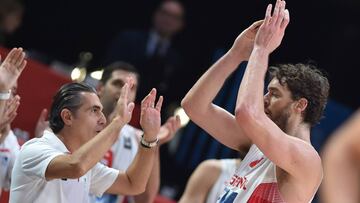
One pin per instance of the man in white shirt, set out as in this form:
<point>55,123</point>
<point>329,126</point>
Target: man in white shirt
<point>10,70</point>
<point>62,165</point>
<point>9,146</point>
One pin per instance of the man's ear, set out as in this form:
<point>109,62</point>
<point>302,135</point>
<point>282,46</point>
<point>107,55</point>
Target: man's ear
<point>66,116</point>
<point>301,105</point>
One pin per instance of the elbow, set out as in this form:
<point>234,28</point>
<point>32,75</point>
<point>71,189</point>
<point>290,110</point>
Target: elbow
<point>193,108</point>
<point>141,189</point>
<point>243,113</point>
<point>187,106</point>
<point>138,190</point>
<point>136,186</point>
<point>247,115</point>
<point>78,170</point>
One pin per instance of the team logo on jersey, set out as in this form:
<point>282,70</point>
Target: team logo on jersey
<point>127,143</point>
<point>254,163</point>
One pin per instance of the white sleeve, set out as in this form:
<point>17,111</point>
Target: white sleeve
<point>102,177</point>
<point>36,157</point>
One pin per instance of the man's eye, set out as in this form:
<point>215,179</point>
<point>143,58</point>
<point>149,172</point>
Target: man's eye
<point>118,83</point>
<point>276,95</point>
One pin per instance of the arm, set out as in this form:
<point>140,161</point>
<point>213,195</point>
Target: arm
<point>82,160</point>
<point>153,185</point>
<point>198,101</point>
<point>341,156</point>
<point>136,177</point>
<point>42,124</point>
<point>10,70</point>
<point>295,156</point>
<point>201,181</point>
<point>10,111</point>
<point>166,133</point>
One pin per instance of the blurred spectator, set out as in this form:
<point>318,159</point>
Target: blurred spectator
<point>9,146</point>
<point>341,158</point>
<point>10,70</point>
<point>11,13</point>
<point>152,51</point>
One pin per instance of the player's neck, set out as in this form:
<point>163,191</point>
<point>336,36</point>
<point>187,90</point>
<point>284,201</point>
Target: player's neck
<point>300,130</point>
<point>69,140</point>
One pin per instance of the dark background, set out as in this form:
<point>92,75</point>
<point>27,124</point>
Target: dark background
<point>326,32</point>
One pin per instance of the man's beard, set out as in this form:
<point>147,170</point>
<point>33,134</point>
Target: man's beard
<point>282,120</point>
<point>108,107</point>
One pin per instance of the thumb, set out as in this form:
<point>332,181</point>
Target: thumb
<point>256,24</point>
<point>131,106</point>
<point>43,115</point>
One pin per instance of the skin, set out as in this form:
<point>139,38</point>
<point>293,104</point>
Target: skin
<point>10,70</point>
<point>10,113</point>
<point>109,92</point>
<point>299,170</point>
<point>41,124</point>
<point>341,164</point>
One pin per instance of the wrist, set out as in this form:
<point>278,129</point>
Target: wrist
<point>261,50</point>
<point>149,143</point>
<point>237,55</point>
<point>4,88</point>
<point>119,121</point>
<point>5,95</point>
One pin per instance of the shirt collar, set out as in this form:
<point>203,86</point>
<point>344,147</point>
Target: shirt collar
<point>55,141</point>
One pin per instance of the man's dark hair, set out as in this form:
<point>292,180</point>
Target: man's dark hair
<point>68,97</point>
<point>304,81</point>
<point>118,65</point>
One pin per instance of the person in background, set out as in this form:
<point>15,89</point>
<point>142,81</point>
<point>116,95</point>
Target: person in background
<point>123,151</point>
<point>341,157</point>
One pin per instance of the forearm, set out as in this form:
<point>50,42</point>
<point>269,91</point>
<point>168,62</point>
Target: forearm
<point>207,87</point>
<point>93,151</point>
<point>251,91</point>
<point>152,187</point>
<point>2,109</point>
<point>140,169</point>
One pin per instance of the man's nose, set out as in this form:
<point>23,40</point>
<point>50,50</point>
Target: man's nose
<point>102,120</point>
<point>266,99</point>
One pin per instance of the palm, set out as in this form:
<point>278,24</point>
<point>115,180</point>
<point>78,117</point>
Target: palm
<point>10,111</point>
<point>123,108</point>
<point>11,68</point>
<point>168,130</point>
<point>272,30</point>
<point>150,120</point>
<point>244,43</point>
